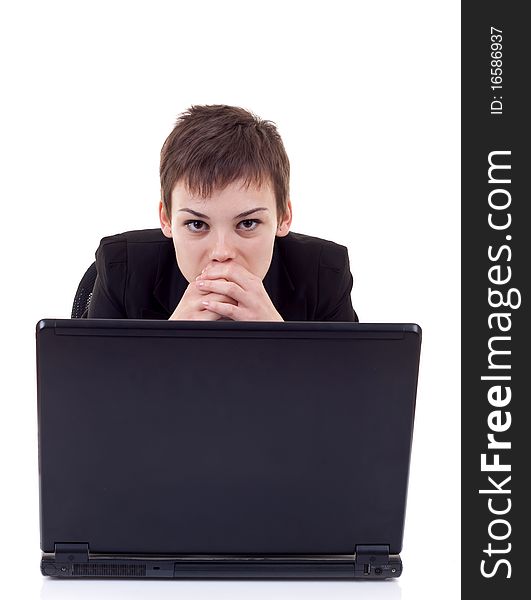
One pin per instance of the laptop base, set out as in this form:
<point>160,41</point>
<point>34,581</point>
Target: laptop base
<point>369,562</point>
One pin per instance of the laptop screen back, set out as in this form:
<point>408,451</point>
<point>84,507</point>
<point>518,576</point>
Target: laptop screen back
<point>224,438</point>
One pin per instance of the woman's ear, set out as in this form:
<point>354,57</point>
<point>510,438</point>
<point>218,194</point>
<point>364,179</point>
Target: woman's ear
<point>165,223</point>
<point>285,223</point>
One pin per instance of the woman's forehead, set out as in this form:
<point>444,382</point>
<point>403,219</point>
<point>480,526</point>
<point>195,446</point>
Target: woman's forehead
<point>234,196</point>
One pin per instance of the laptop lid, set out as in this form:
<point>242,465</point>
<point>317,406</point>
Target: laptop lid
<point>225,438</point>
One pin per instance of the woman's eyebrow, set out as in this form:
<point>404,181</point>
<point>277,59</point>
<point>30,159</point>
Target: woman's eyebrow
<point>194,212</point>
<point>243,214</point>
<point>249,212</point>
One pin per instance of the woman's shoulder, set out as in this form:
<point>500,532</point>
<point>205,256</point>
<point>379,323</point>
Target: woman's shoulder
<point>121,246</point>
<point>297,247</point>
<point>138,236</point>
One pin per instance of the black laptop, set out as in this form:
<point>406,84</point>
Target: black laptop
<point>224,449</point>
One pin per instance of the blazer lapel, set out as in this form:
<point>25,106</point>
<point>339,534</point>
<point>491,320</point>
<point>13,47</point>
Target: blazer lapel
<point>170,285</point>
<point>279,285</point>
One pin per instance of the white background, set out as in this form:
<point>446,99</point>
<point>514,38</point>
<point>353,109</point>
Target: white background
<point>366,97</point>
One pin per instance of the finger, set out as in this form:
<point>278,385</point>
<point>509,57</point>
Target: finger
<point>201,308</point>
<point>231,272</point>
<point>220,286</point>
<point>230,311</point>
<point>219,298</point>
<point>207,315</point>
<point>202,289</point>
<point>203,295</point>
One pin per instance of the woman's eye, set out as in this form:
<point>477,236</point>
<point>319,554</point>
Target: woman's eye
<point>199,226</point>
<point>249,224</point>
<point>195,225</point>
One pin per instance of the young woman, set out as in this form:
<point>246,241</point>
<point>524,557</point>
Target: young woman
<point>224,250</point>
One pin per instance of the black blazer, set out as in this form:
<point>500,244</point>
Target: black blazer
<point>309,278</point>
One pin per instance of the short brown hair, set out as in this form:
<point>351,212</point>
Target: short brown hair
<point>214,145</point>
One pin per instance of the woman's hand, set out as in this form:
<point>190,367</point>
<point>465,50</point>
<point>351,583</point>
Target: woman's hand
<point>191,308</point>
<point>231,280</point>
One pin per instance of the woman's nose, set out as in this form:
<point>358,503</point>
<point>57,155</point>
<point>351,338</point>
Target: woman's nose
<point>222,250</point>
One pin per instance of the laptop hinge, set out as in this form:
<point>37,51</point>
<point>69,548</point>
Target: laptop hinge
<point>374,560</point>
<point>66,552</point>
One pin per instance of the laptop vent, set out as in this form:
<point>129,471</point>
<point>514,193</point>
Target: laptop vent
<point>108,570</point>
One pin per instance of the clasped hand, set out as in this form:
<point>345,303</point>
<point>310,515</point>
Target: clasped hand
<point>226,291</point>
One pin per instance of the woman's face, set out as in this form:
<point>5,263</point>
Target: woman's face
<point>234,224</point>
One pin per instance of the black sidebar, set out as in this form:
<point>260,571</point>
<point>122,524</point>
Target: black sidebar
<point>496,248</point>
